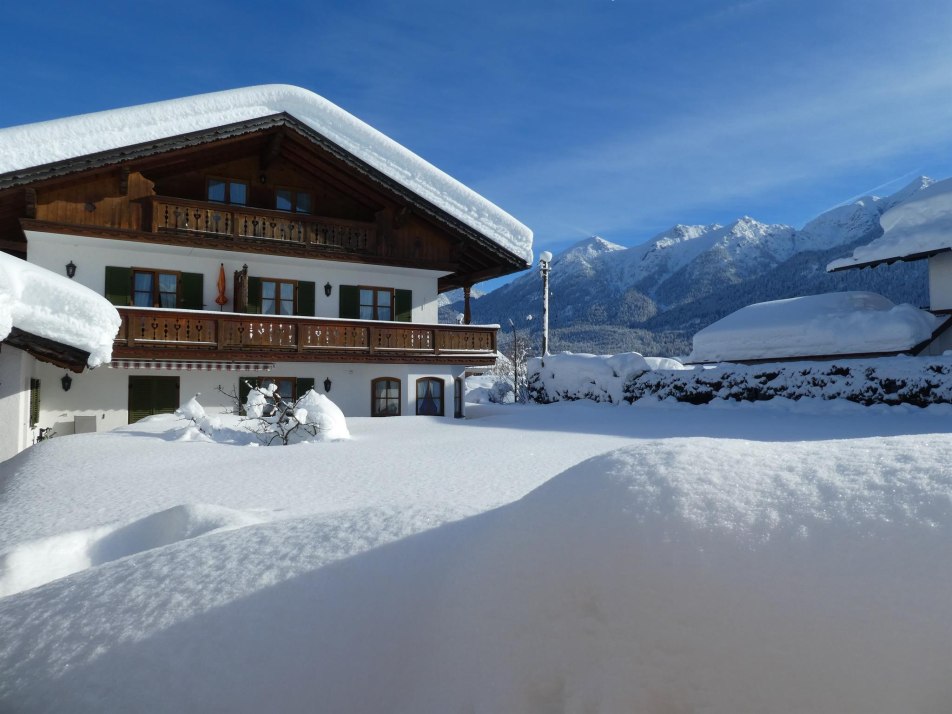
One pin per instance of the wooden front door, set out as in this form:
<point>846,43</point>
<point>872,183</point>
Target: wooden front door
<point>152,395</point>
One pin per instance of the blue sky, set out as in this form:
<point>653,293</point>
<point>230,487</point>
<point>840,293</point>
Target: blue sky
<point>617,118</point>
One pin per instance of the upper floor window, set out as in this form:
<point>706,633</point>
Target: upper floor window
<point>277,297</point>
<point>376,303</point>
<point>289,199</point>
<point>228,191</point>
<point>364,302</point>
<point>154,288</point>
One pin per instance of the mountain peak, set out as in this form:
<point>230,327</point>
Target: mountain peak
<point>595,244</point>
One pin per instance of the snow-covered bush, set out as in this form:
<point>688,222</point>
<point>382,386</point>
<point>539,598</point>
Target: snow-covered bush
<point>919,381</point>
<point>600,378</point>
<point>195,413</point>
<point>275,419</point>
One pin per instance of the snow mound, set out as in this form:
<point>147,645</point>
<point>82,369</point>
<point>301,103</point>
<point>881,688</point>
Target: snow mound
<point>320,411</point>
<point>921,224</point>
<point>48,305</point>
<point>704,575</point>
<point>42,143</point>
<point>830,324</point>
<point>37,562</point>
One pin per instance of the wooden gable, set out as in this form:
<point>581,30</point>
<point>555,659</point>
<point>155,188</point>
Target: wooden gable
<point>159,193</point>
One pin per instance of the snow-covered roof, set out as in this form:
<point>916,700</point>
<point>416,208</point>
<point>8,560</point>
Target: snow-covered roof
<point>917,228</point>
<point>32,145</point>
<point>831,324</point>
<point>44,304</point>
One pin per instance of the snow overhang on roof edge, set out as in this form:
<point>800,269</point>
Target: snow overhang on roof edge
<point>34,145</point>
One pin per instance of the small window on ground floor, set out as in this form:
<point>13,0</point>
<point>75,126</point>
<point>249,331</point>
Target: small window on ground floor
<point>385,397</point>
<point>429,396</point>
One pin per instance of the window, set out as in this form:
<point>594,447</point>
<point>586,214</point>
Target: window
<point>277,297</point>
<point>385,397</point>
<point>376,303</point>
<point>362,302</point>
<point>153,288</point>
<point>429,396</point>
<point>289,199</point>
<point>228,191</point>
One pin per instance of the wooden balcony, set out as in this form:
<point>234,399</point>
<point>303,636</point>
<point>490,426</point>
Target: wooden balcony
<point>242,224</point>
<point>193,335</point>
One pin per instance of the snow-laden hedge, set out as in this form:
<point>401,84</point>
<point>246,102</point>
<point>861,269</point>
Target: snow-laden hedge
<point>919,381</point>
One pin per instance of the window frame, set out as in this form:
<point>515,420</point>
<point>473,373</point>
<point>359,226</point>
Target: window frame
<point>278,282</point>
<point>398,400</point>
<point>441,399</point>
<point>156,292</point>
<point>228,182</point>
<point>374,306</point>
<point>296,194</point>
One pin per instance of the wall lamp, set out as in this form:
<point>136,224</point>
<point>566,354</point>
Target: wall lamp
<point>327,289</point>
<point>67,382</point>
<point>70,270</point>
<point>327,384</point>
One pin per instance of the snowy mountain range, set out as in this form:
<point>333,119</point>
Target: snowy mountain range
<point>653,297</point>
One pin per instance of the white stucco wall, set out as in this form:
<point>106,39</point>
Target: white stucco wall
<point>92,255</point>
<point>15,370</point>
<point>940,281</point>
<point>103,392</point>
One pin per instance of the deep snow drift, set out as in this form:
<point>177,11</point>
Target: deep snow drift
<point>778,557</point>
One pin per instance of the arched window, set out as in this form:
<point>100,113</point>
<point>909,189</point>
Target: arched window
<point>429,396</point>
<point>385,397</point>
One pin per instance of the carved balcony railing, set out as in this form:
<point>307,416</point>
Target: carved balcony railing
<point>174,334</point>
<point>227,221</point>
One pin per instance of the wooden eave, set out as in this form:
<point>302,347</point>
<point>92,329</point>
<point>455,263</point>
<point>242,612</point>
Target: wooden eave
<point>479,257</point>
<point>47,350</point>
<point>889,261</point>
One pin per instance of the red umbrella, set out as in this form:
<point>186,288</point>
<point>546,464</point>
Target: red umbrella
<point>222,298</point>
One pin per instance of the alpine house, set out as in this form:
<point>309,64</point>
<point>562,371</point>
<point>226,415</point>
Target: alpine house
<point>258,234</point>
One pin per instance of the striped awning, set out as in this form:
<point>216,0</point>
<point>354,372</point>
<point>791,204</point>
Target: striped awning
<point>182,366</point>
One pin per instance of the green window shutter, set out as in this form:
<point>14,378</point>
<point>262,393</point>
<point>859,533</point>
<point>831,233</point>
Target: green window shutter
<point>254,295</point>
<point>403,304</point>
<point>305,298</point>
<point>118,285</point>
<point>191,293</point>
<point>303,384</point>
<point>243,390</point>
<point>349,301</point>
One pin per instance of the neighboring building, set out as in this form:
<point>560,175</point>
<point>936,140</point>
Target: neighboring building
<point>917,229</point>
<point>848,324</point>
<point>50,318</point>
<point>260,233</point>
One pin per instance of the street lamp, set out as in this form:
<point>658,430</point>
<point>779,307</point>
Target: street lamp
<point>545,264</point>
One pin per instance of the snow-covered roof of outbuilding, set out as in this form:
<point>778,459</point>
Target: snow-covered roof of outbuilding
<point>42,143</point>
<point>848,323</point>
<point>43,304</point>
<point>915,229</point>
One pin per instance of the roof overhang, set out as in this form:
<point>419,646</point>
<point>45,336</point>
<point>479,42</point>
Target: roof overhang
<point>47,350</point>
<point>890,260</point>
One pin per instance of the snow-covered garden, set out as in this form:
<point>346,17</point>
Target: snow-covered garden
<point>657,557</point>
